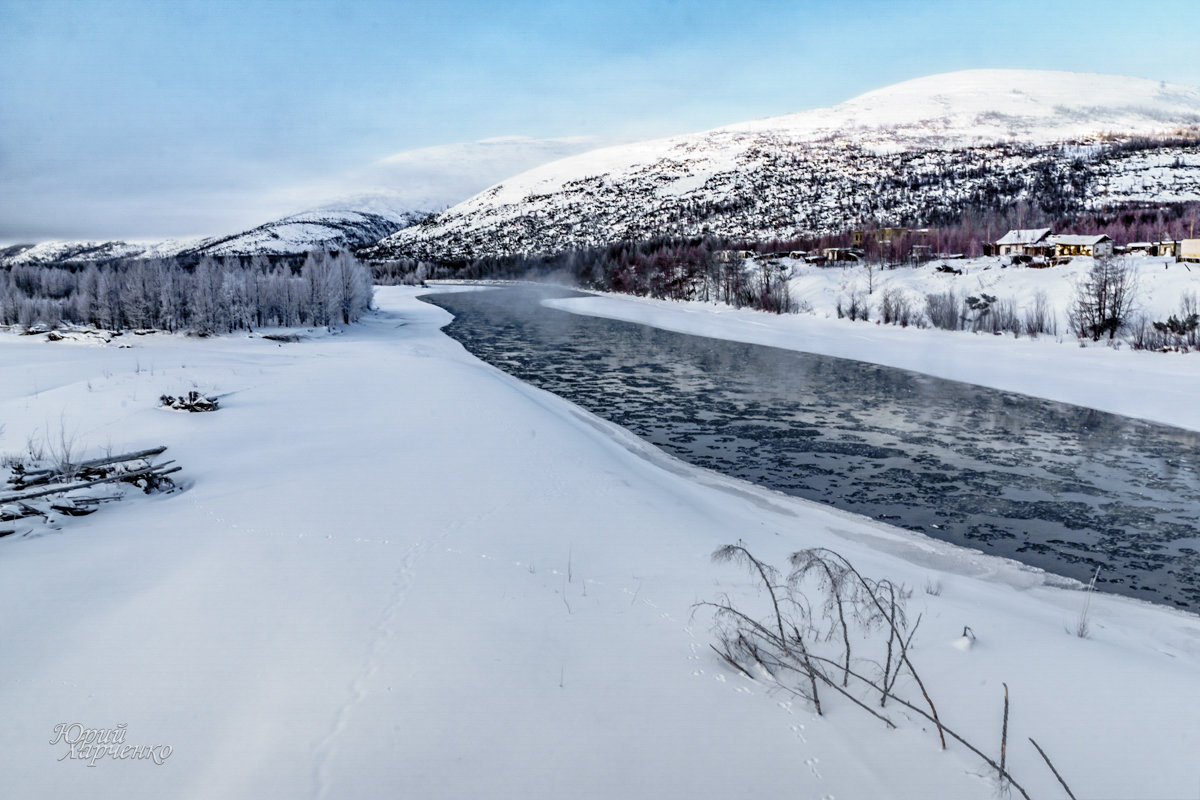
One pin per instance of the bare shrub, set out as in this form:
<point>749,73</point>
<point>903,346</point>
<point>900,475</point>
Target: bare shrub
<point>63,450</point>
<point>1179,331</point>
<point>1040,318</point>
<point>855,307</point>
<point>942,310</point>
<point>989,314</point>
<point>1083,625</point>
<point>1142,335</point>
<point>35,447</point>
<point>825,598</point>
<point>895,308</point>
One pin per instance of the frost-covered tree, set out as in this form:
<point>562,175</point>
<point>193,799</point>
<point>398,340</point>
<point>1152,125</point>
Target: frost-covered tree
<point>214,296</point>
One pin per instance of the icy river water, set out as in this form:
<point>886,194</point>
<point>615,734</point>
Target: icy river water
<point>1059,487</point>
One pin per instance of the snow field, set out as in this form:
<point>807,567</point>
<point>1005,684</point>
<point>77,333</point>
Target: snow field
<point>396,571</point>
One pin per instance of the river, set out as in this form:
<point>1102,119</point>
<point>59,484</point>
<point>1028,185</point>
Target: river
<point>1060,487</point>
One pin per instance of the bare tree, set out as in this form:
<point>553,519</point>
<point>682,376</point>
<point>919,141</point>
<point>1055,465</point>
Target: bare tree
<point>1104,299</point>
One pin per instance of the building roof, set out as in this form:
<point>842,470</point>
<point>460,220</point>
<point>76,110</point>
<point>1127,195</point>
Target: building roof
<point>1024,236</point>
<point>1072,239</point>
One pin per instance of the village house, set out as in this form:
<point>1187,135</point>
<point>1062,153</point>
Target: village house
<point>921,253</point>
<point>1069,244</point>
<point>887,236</point>
<point>728,256</point>
<point>1189,250</point>
<point>1165,247</point>
<point>841,254</point>
<point>1014,243</point>
<point>1040,254</point>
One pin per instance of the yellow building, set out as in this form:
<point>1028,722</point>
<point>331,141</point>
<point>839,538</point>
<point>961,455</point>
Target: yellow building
<point>1189,250</point>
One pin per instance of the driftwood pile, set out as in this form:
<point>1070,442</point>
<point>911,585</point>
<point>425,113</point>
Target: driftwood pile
<point>42,491</point>
<point>192,401</point>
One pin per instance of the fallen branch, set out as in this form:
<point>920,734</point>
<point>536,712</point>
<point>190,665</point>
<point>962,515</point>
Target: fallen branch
<point>157,471</point>
<point>41,476</point>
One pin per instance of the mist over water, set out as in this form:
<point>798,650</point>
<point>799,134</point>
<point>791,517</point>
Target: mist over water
<point>1056,486</point>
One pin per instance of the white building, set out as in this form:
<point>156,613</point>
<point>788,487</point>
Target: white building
<point>1069,244</point>
<point>1014,243</point>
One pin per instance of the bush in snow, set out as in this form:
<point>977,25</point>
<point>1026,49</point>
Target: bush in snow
<point>855,308</point>
<point>1177,332</point>
<point>831,632</point>
<point>943,311</point>
<point>895,308</point>
<point>1040,318</point>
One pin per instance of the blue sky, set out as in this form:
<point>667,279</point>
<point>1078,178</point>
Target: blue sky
<point>131,118</point>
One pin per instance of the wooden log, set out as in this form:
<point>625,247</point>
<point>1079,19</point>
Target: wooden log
<point>72,510</point>
<point>106,460</point>
<point>46,475</point>
<point>94,501</point>
<point>156,471</point>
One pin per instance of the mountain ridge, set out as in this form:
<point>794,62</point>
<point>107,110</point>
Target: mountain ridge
<point>371,201</point>
<point>294,234</point>
<point>920,151</point>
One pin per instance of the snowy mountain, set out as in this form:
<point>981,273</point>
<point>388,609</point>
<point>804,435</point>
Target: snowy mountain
<point>373,201</point>
<point>922,151</point>
<point>990,105</point>
<point>362,222</point>
<point>331,227</point>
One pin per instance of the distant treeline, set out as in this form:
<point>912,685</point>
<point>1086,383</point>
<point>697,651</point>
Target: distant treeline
<point>674,269</point>
<point>699,268</point>
<point>969,234</point>
<point>214,296</point>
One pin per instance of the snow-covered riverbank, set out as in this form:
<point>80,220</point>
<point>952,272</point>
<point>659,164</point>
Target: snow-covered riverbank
<point>1162,387</point>
<point>396,571</point>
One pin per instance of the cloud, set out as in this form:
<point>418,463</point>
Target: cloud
<point>431,178</point>
<point>86,205</point>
